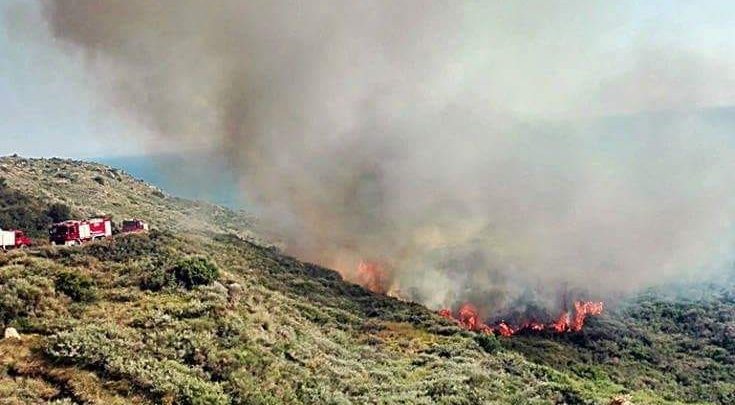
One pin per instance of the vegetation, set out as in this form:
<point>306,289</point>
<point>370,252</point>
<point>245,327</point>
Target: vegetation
<point>76,286</point>
<point>194,271</point>
<point>140,319</point>
<point>58,212</point>
<point>19,211</point>
<point>679,345</point>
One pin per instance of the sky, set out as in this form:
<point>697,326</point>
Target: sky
<point>46,106</point>
<point>49,108</point>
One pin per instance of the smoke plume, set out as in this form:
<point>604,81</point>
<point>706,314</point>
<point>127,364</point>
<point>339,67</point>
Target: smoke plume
<point>475,150</point>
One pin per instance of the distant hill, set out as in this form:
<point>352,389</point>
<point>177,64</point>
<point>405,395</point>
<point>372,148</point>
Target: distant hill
<point>200,311</point>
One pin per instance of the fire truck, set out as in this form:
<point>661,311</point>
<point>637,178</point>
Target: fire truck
<point>13,239</point>
<point>134,225</point>
<point>73,232</point>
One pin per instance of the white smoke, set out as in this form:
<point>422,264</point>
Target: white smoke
<point>475,148</point>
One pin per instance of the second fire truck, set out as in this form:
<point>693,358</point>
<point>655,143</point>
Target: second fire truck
<point>69,233</point>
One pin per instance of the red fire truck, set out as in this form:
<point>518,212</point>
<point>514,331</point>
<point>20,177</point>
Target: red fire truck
<point>134,225</point>
<point>13,239</point>
<point>77,232</point>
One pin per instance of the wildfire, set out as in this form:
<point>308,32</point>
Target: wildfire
<point>583,309</point>
<point>469,318</point>
<point>372,276</point>
<point>561,323</point>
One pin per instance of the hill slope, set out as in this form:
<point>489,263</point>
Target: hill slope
<point>93,189</point>
<point>119,321</point>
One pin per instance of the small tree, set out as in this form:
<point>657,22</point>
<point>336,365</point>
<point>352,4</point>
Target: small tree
<point>195,270</point>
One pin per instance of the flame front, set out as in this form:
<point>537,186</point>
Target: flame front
<point>469,318</point>
<point>372,276</point>
<point>583,309</point>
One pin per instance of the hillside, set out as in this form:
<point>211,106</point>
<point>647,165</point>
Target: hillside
<point>137,319</point>
<point>94,189</point>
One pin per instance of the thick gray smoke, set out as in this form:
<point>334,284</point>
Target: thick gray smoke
<point>474,149</point>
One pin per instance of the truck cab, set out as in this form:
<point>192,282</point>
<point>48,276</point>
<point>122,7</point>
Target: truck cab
<point>134,225</point>
<point>21,240</point>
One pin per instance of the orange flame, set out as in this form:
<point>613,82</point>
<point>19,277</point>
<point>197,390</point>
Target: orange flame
<point>583,309</point>
<point>561,324</point>
<point>372,276</point>
<point>505,330</point>
<point>468,318</point>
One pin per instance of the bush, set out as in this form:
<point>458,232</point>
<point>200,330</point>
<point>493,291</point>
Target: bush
<point>156,280</point>
<point>77,286</point>
<point>112,349</point>
<point>488,343</point>
<point>20,211</point>
<point>194,271</point>
<point>123,248</point>
<point>22,296</point>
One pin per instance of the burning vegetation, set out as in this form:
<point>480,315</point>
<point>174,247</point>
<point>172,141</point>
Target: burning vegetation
<point>469,318</point>
<point>374,277</point>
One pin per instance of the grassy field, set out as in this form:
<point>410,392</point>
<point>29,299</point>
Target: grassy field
<point>210,314</point>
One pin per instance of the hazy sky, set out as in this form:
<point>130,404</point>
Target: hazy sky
<point>47,107</point>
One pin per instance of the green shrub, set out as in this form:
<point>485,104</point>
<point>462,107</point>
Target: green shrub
<point>122,248</point>
<point>488,343</point>
<point>77,286</point>
<point>21,211</point>
<point>156,280</point>
<point>113,350</point>
<point>22,296</point>
<point>194,271</point>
